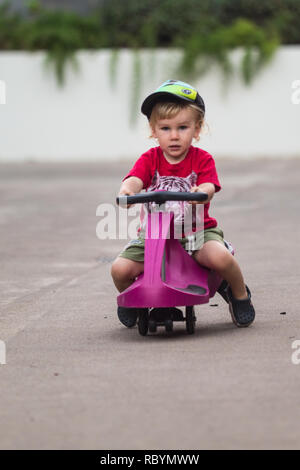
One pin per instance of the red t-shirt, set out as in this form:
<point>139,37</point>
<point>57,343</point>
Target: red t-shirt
<point>158,174</point>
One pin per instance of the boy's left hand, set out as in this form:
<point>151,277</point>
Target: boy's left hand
<point>195,189</point>
<point>208,188</point>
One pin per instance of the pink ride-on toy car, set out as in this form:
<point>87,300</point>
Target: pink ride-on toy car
<point>171,277</point>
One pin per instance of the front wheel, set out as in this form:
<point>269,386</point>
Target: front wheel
<point>169,325</point>
<point>152,326</point>
<point>143,321</point>
<point>190,320</point>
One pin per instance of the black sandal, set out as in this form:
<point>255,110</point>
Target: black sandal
<point>128,316</point>
<point>242,311</point>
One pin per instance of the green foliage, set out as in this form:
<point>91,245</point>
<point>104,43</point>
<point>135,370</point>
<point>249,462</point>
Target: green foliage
<point>135,84</point>
<point>60,33</point>
<point>10,28</point>
<point>56,33</point>
<point>215,46</point>
<point>206,30</point>
<point>113,63</point>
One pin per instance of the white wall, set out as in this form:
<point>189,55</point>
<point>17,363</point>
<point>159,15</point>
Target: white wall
<point>89,119</point>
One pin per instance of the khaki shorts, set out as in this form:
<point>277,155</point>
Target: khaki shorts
<point>134,250</point>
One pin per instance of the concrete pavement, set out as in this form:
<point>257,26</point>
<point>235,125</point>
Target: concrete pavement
<point>75,378</point>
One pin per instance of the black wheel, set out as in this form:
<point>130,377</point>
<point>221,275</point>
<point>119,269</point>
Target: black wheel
<point>169,325</point>
<point>190,320</point>
<point>152,326</point>
<point>143,321</point>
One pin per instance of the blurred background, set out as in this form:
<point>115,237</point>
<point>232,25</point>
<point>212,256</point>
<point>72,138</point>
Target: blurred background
<point>75,75</point>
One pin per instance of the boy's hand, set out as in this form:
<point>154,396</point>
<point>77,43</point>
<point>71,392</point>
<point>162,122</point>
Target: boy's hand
<point>130,187</point>
<point>195,189</point>
<point>208,188</point>
<point>126,192</point>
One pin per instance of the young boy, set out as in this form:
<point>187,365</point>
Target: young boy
<point>176,113</point>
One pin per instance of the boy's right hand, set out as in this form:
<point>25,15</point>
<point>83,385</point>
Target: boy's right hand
<point>126,192</point>
<point>130,187</point>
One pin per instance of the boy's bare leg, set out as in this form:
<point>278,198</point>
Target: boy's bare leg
<point>124,271</point>
<point>216,256</point>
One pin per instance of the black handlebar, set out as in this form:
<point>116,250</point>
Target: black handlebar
<point>159,197</point>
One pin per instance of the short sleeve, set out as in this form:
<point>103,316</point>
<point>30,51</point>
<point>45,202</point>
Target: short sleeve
<point>142,169</point>
<point>207,172</point>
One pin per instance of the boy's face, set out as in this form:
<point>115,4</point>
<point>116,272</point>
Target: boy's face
<point>175,135</point>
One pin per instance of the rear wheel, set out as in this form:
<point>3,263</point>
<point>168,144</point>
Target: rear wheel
<point>190,320</point>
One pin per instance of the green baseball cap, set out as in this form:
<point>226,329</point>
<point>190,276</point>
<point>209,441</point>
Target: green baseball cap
<point>172,90</point>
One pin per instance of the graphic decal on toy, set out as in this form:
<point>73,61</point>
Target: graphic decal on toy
<point>184,213</point>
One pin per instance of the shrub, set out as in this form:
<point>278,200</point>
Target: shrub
<point>206,30</point>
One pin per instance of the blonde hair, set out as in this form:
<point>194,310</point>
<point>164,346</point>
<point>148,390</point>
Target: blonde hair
<point>168,110</point>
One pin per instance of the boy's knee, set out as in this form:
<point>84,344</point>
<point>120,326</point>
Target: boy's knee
<point>222,261</point>
<point>117,269</point>
<point>123,268</point>
<point>215,258</point>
